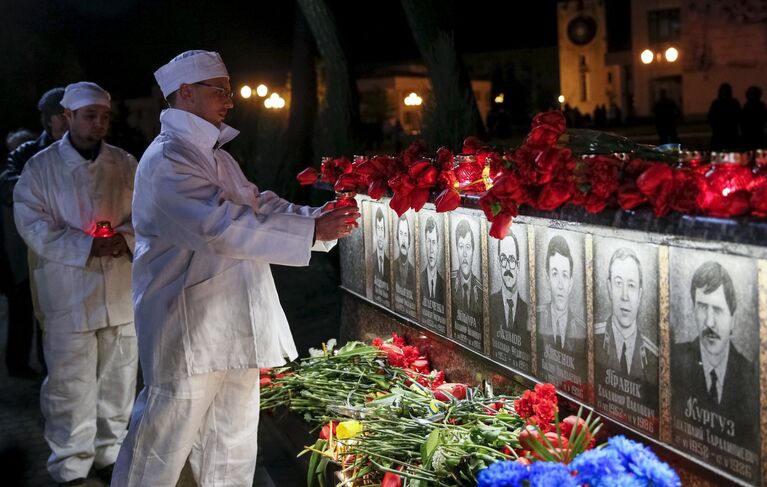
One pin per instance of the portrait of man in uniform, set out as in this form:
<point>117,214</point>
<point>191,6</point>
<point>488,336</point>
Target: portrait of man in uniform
<point>466,280</point>
<point>714,384</point>
<point>626,354</point>
<point>404,274</point>
<point>561,330</point>
<point>432,278</point>
<point>466,285</point>
<point>510,329</point>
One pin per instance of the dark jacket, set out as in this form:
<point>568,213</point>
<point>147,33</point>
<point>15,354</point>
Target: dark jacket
<point>13,246</point>
<point>498,318</point>
<point>740,391</point>
<point>439,287</point>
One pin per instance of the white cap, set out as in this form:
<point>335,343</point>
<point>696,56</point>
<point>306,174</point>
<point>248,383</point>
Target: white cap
<point>84,93</point>
<point>189,67</point>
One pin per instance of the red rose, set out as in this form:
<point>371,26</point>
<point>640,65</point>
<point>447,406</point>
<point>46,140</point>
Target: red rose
<point>444,158</point>
<point>554,119</point>
<point>458,391</point>
<point>687,187</point>
<point>501,225</point>
<point>657,183</point>
<point>328,430</point>
<point>629,196</point>
<point>391,479</point>
<point>472,144</point>
<point>570,423</point>
<point>542,136</point>
<point>448,200</point>
<point>554,195</point>
<point>759,199</point>
<point>307,177</point>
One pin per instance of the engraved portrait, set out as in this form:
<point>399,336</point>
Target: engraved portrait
<point>626,352</point>
<point>714,358</point>
<point>403,262</point>
<point>466,280</point>
<point>510,330</point>
<point>561,327</point>
<point>432,267</point>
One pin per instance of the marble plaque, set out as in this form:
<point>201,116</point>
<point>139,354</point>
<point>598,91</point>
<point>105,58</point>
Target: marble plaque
<point>403,232</point>
<point>432,267</point>
<point>466,280</point>
<point>560,316</point>
<point>378,258</point>
<point>352,252</point>
<point>715,359</point>
<point>510,331</point>
<point>626,350</point>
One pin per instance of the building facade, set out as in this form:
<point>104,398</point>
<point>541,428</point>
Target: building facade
<point>686,48</point>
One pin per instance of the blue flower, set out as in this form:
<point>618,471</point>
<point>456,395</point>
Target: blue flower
<point>503,474</point>
<point>592,465</point>
<point>643,463</point>
<point>619,480</point>
<point>547,474</point>
<point>647,467</point>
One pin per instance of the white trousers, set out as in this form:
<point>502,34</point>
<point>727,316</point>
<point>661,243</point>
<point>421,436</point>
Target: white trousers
<point>212,419</point>
<point>87,397</point>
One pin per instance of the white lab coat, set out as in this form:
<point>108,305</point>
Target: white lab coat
<point>203,291</point>
<point>207,311</point>
<point>84,303</point>
<point>57,202</point>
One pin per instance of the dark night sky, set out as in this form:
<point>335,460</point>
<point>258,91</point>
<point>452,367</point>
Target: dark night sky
<point>119,43</point>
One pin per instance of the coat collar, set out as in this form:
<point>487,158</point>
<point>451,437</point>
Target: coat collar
<point>70,155</point>
<point>195,130</point>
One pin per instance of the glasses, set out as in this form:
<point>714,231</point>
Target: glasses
<point>222,92</point>
<point>510,262</point>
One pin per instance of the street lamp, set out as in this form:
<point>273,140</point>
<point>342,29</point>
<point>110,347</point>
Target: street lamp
<point>274,102</point>
<point>499,98</point>
<point>246,92</point>
<point>647,56</point>
<point>413,100</point>
<point>262,90</point>
<point>671,54</point>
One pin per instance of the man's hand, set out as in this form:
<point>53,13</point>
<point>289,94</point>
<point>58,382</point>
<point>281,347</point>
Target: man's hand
<point>114,246</point>
<point>336,223</point>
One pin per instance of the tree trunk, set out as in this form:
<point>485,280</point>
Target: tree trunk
<point>453,114</point>
<point>340,111</point>
<point>303,111</point>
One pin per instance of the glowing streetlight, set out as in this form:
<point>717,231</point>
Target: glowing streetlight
<point>413,100</point>
<point>245,91</point>
<point>671,54</point>
<point>262,90</point>
<point>647,56</point>
<point>499,98</point>
<point>561,98</point>
<point>274,102</point>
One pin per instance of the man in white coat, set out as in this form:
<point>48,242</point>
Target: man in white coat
<point>81,286</point>
<point>207,310</point>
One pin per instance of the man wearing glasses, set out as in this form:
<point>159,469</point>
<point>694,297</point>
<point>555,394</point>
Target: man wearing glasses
<point>207,310</point>
<point>508,309</point>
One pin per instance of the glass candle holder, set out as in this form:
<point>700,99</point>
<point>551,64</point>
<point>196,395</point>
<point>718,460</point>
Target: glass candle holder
<point>103,230</point>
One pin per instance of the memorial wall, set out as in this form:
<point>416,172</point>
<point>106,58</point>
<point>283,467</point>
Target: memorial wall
<point>661,330</point>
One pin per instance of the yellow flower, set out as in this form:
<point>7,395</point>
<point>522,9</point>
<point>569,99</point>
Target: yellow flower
<point>348,429</point>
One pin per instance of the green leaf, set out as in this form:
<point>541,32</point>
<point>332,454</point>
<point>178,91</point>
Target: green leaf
<point>430,445</point>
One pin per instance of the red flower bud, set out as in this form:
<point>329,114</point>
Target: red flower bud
<point>308,176</point>
<point>458,391</point>
<point>391,480</point>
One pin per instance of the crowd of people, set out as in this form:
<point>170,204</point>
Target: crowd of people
<point>732,127</point>
<point>162,262</point>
